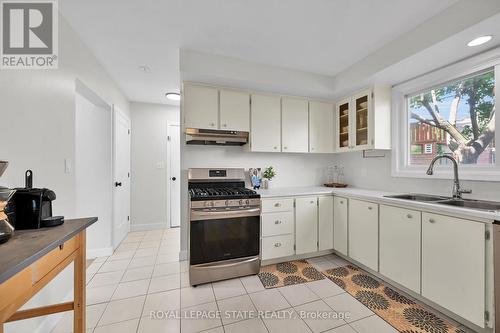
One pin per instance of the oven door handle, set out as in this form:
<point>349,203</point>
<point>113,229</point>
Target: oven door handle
<point>221,265</point>
<point>197,215</point>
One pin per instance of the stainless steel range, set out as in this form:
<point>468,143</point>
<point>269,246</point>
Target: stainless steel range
<point>224,226</point>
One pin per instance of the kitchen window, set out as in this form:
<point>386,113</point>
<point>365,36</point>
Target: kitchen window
<point>449,111</point>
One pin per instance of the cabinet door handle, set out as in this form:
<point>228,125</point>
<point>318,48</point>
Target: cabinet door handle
<point>212,124</point>
<point>311,202</point>
<point>275,147</point>
<point>409,216</point>
<point>370,207</point>
<point>277,244</point>
<point>432,220</point>
<point>277,204</point>
<point>312,148</point>
<point>224,125</point>
<point>277,222</point>
<point>285,147</point>
<point>342,202</point>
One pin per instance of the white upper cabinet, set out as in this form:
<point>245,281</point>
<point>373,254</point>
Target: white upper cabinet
<point>363,121</point>
<point>453,265</point>
<point>265,134</point>
<point>234,110</point>
<point>200,106</point>
<point>343,125</point>
<point>325,223</point>
<point>363,233</point>
<point>321,127</point>
<point>294,125</point>
<point>306,225</point>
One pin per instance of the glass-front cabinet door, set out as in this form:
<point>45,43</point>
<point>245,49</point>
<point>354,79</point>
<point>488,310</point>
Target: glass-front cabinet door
<point>360,120</point>
<point>343,122</point>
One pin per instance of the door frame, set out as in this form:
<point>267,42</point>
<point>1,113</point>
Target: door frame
<point>114,239</point>
<point>169,210</point>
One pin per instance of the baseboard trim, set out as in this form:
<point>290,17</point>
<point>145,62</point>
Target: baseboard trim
<point>149,226</point>
<point>102,252</point>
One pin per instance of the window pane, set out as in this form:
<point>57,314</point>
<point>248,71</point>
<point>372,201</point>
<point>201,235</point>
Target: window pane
<point>456,118</point>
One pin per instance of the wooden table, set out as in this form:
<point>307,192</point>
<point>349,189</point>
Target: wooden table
<point>31,259</point>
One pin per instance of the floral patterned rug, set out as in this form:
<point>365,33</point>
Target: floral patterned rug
<point>288,273</point>
<point>399,311</point>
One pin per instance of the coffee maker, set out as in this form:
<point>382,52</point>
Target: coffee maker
<point>6,228</point>
<point>31,208</point>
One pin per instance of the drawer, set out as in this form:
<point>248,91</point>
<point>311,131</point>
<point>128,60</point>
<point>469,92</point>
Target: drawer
<point>277,205</point>
<point>277,246</point>
<point>279,223</point>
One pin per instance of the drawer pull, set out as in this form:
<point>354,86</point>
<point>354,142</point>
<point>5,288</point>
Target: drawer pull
<point>277,222</point>
<point>61,246</point>
<point>277,204</point>
<point>409,216</point>
<point>277,244</point>
<point>432,220</point>
<point>342,202</point>
<point>312,202</point>
<point>275,147</point>
<point>370,207</point>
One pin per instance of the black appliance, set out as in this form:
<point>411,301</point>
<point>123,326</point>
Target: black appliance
<point>31,208</point>
<point>224,226</point>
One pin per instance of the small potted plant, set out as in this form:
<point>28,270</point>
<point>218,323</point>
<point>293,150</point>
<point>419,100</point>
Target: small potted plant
<point>269,174</point>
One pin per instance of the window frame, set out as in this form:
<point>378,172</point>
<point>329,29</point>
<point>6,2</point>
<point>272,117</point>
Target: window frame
<point>400,166</point>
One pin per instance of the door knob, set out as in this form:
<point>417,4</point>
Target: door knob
<point>173,178</point>
<point>117,184</point>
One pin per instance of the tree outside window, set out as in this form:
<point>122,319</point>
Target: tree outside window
<point>456,118</point>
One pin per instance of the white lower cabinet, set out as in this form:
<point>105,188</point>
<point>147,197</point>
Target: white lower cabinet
<point>277,228</point>
<point>306,225</point>
<point>277,246</point>
<point>400,245</point>
<point>279,223</point>
<point>340,224</point>
<point>363,232</point>
<point>453,265</point>
<point>325,223</point>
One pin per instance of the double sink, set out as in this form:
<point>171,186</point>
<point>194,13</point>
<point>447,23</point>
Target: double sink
<point>483,205</point>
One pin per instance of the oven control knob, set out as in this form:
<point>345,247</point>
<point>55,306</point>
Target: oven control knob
<point>227,203</point>
<point>247,202</point>
<point>241,202</point>
<point>209,204</point>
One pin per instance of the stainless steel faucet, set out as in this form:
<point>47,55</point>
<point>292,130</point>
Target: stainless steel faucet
<point>457,191</point>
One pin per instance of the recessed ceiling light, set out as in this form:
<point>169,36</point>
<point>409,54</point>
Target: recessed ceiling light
<point>145,69</point>
<point>479,40</point>
<point>173,96</point>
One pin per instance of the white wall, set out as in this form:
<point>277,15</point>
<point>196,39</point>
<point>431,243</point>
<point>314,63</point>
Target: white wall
<point>37,110</point>
<point>148,151</point>
<point>375,173</point>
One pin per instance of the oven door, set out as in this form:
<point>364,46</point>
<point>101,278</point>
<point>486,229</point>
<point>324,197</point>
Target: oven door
<point>222,235</point>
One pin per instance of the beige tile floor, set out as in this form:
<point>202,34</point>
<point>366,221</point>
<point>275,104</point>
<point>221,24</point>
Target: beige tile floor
<point>144,275</point>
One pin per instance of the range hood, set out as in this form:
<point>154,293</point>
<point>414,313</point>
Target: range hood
<point>198,136</point>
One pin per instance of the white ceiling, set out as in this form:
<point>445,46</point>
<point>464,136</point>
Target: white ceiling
<point>320,36</point>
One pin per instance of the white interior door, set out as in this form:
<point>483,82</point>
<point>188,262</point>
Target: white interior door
<point>93,168</point>
<point>173,174</point>
<point>121,176</point>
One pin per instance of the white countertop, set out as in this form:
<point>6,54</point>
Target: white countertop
<point>378,196</point>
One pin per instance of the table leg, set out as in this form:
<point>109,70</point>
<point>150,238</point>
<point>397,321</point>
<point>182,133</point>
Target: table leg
<point>79,286</point>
